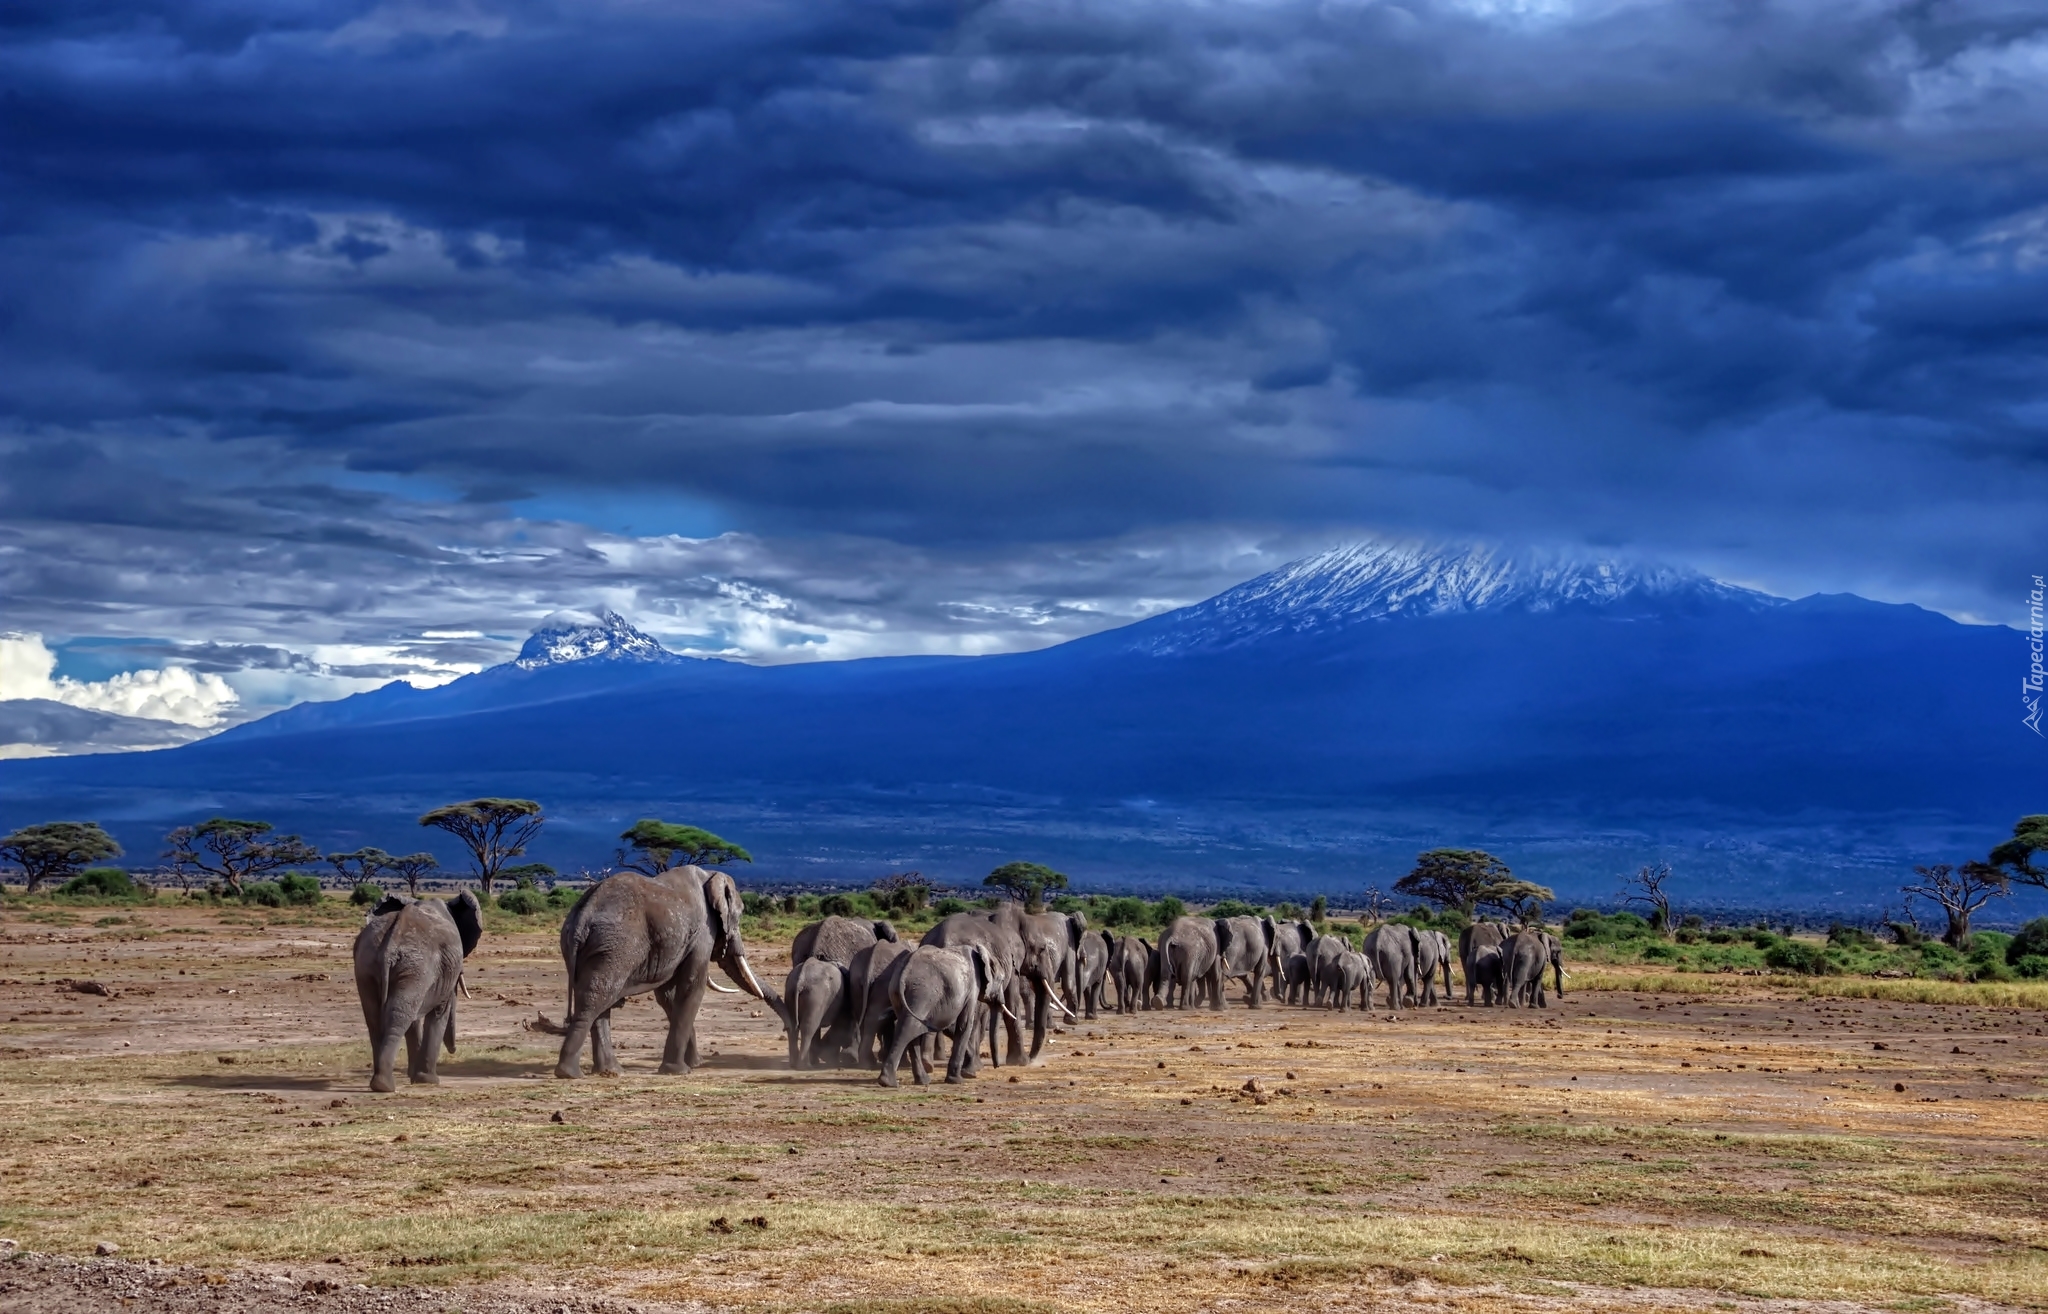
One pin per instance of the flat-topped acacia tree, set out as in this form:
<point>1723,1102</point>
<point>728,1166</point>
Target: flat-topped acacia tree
<point>411,868</point>
<point>1027,881</point>
<point>232,851</point>
<point>57,850</point>
<point>1470,880</point>
<point>659,845</point>
<point>494,830</point>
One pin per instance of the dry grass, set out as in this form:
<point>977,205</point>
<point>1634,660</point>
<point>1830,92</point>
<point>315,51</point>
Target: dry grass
<point>1978,994</point>
<point>1702,1146</point>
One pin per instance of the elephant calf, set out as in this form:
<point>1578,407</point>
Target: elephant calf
<point>817,1003</point>
<point>408,967</point>
<point>1351,975</point>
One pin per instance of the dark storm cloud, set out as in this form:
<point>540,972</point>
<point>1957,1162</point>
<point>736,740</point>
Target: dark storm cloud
<point>304,301</point>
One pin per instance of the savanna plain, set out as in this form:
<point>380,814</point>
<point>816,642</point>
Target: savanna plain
<point>186,1086</point>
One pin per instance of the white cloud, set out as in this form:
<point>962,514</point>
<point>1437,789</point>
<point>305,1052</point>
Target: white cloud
<point>28,670</point>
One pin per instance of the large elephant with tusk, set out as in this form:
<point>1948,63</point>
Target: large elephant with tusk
<point>1025,951</point>
<point>631,933</point>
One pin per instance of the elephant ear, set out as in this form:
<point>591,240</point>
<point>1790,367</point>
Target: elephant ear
<point>722,902</point>
<point>1223,933</point>
<point>977,958</point>
<point>884,931</point>
<point>1269,929</point>
<point>469,920</point>
<point>1077,926</point>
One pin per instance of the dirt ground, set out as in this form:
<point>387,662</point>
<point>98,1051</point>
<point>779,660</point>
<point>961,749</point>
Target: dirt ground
<point>207,1117</point>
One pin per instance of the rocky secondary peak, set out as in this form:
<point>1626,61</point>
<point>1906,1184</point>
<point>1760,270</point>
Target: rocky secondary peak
<point>581,636</point>
<point>1374,581</point>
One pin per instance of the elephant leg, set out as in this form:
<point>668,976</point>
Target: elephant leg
<point>921,1059</point>
<point>962,1046</point>
<point>908,1029</point>
<point>412,1047</point>
<point>1041,1018</point>
<point>386,1037</point>
<point>580,1027</point>
<point>678,1056</point>
<point>604,1058</point>
<point>432,1028</point>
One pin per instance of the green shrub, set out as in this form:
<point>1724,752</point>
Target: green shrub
<point>564,896</point>
<point>835,905</point>
<point>524,899</point>
<point>101,883</point>
<point>754,905</point>
<point>1124,911</point>
<point>1765,939</point>
<point>1721,936</point>
<point>366,893</point>
<point>1938,959</point>
<point>950,905</point>
<point>1660,952</point>
<point>1168,908</point>
<point>1319,911</point>
<point>1798,956</point>
<point>1287,909</point>
<point>2032,940</point>
<point>265,894</point>
<point>1236,908</point>
<point>1852,937</point>
<point>1067,903</point>
<point>2031,967</point>
<point>1905,935</point>
<point>299,889</point>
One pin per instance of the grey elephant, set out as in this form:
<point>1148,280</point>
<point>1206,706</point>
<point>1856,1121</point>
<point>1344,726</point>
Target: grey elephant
<point>1134,966</point>
<point>1244,947</point>
<point>1323,952</point>
<point>868,996</point>
<point>630,934</point>
<point>1091,970</point>
<point>1190,962</point>
<point>817,1009</point>
<point>1054,939</point>
<point>408,960</point>
<point>1390,947</point>
<point>1288,963</point>
<point>1430,953</point>
<point>1032,960</point>
<point>1481,951</point>
<point>839,941</point>
<point>1351,975</point>
<point>936,991</point>
<point>1444,960</point>
<point>1527,955</point>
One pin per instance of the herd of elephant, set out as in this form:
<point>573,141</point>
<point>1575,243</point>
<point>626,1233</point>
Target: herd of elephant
<point>857,995</point>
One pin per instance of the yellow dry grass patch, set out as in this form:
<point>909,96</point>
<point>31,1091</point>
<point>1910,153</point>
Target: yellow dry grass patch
<point>1978,994</point>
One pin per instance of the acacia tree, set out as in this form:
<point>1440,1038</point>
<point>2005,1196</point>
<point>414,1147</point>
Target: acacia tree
<point>1959,892</point>
<point>231,851</point>
<point>361,866</point>
<point>2016,855</point>
<point>660,845</point>
<point>494,830</point>
<point>1470,880</point>
<point>905,892</point>
<point>57,850</point>
<point>1647,887</point>
<point>1026,881</point>
<point>411,868</point>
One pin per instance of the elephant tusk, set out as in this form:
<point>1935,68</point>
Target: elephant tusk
<point>1064,1009</point>
<point>1005,1010</point>
<point>462,984</point>
<point>752,980</point>
<point>723,990</point>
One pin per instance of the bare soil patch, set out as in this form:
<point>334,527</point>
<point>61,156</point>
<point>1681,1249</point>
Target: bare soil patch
<point>1621,1150</point>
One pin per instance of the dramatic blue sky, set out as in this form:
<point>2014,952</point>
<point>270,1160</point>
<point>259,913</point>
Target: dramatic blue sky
<point>341,340</point>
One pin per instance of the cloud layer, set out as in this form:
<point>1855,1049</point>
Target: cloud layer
<point>833,329</point>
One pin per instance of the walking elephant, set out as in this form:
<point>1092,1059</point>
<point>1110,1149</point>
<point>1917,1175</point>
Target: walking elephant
<point>408,961</point>
<point>1026,954</point>
<point>817,1000</point>
<point>1244,947</point>
<point>1323,952</point>
<point>1288,963</point>
<point>1091,969</point>
<point>1480,951</point>
<point>940,991</point>
<point>1432,954</point>
<point>838,941</point>
<point>1190,961</point>
<point>1351,975</point>
<point>1527,955</point>
<point>867,996</point>
<point>630,934</point>
<point>1390,948</point>
<point>1133,965</point>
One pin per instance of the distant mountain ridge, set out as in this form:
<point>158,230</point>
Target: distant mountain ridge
<point>1380,581</point>
<point>1309,729</point>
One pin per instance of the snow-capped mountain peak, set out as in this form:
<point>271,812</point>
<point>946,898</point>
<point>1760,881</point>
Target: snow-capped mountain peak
<point>580,636</point>
<point>1377,581</point>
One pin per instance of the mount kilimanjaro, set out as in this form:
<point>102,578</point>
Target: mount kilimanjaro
<point>1309,729</point>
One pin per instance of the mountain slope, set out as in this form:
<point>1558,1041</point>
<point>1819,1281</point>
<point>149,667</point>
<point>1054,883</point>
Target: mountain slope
<point>1346,710</point>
